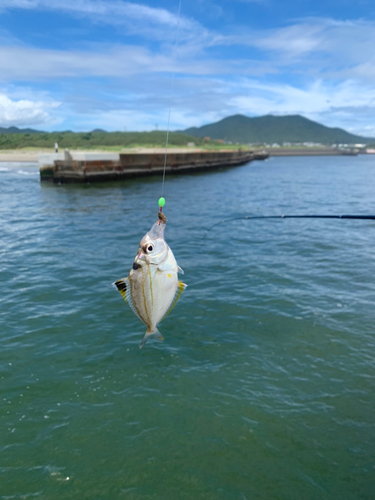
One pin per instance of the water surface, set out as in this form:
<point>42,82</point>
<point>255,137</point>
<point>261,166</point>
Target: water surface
<point>264,385</point>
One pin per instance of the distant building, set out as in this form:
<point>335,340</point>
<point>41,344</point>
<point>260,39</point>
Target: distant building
<point>191,144</point>
<point>310,144</point>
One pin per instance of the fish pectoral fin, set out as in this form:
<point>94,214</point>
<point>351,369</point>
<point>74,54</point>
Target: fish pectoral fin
<point>180,288</point>
<point>180,270</point>
<point>148,334</point>
<point>123,286</point>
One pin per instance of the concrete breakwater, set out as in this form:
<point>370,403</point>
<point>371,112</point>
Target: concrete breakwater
<point>312,151</point>
<point>97,167</point>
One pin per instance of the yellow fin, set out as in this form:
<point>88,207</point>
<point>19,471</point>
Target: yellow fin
<point>122,285</point>
<point>180,288</point>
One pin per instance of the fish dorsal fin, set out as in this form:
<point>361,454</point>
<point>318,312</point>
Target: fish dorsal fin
<point>180,288</point>
<point>123,286</point>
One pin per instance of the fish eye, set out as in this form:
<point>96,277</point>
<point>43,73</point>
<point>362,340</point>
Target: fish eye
<point>150,248</point>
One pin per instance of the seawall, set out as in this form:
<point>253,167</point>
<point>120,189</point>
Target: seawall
<point>97,167</point>
<point>311,152</point>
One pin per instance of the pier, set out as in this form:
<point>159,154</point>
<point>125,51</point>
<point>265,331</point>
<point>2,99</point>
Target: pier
<point>97,167</point>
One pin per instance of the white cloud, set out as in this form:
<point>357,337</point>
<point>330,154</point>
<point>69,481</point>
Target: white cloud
<point>203,100</point>
<point>321,68</point>
<point>320,48</point>
<point>345,42</point>
<point>141,19</point>
<point>138,119</point>
<point>95,8</point>
<point>119,61</point>
<point>295,40</point>
<point>24,112</point>
<point>316,97</point>
<point>335,105</point>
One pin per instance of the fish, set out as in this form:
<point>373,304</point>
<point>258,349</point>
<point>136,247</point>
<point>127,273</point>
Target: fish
<point>152,288</point>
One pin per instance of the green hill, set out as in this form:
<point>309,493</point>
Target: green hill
<point>271,129</point>
<point>95,139</point>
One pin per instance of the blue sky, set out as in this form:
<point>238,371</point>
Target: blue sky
<point>86,64</point>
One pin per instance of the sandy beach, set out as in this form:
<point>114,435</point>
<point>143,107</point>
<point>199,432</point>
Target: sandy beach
<point>19,156</point>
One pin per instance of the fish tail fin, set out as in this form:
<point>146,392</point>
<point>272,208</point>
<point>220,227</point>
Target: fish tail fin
<point>148,334</point>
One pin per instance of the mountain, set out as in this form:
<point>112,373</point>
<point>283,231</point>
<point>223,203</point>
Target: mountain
<point>271,129</point>
<point>16,130</point>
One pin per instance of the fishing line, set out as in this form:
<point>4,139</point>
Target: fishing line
<point>170,98</point>
<point>252,217</point>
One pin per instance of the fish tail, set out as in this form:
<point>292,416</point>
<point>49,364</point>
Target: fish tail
<point>148,334</point>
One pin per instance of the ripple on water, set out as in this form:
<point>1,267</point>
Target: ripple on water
<point>263,387</point>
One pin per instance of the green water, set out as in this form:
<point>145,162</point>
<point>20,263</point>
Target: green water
<point>264,385</point>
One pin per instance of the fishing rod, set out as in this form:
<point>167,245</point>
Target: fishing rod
<point>252,217</point>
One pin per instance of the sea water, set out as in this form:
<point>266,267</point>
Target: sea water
<point>264,385</point>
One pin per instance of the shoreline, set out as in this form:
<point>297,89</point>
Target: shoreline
<point>33,156</point>
<point>19,157</point>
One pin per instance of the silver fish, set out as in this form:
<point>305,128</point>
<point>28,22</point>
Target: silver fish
<point>152,288</point>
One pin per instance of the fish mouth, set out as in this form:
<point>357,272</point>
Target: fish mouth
<point>140,260</point>
<point>140,256</point>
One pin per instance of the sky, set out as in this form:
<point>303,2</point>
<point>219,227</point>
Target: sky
<point>121,65</point>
